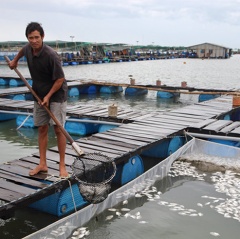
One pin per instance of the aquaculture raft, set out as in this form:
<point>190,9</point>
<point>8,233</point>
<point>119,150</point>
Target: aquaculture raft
<point>124,144</point>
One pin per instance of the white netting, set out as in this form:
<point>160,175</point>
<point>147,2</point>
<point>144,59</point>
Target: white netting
<point>220,154</point>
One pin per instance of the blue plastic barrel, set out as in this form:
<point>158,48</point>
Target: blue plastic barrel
<point>80,128</point>
<point>111,89</point>
<point>61,203</point>
<point>227,117</point>
<point>73,63</point>
<point>205,97</point>
<point>235,116</point>
<point>19,97</point>
<point>128,171</point>
<point>29,96</point>
<point>135,91</point>
<point>158,151</point>
<point>175,143</point>
<point>92,89</point>
<point>6,116</point>
<point>73,92</point>
<point>16,82</point>
<point>21,120</point>
<point>4,81</point>
<point>167,95</point>
<point>30,82</point>
<point>105,127</point>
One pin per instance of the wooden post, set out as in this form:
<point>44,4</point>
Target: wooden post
<point>184,84</point>
<point>132,81</point>
<point>236,101</point>
<point>112,110</point>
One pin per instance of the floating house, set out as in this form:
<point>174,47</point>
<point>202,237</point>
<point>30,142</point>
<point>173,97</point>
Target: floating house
<point>209,50</point>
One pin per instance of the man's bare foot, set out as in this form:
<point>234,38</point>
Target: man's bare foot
<point>63,172</point>
<point>38,169</point>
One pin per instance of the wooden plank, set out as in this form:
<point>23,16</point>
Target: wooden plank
<point>171,117</point>
<point>105,136</point>
<point>200,117</point>
<point>115,143</point>
<point>15,187</point>
<point>207,109</point>
<point>91,141</point>
<point>236,130</point>
<point>87,145</point>
<point>203,123</point>
<point>157,129</point>
<point>150,133</point>
<point>217,125</point>
<point>157,124</point>
<point>53,155</point>
<point>18,179</point>
<point>89,150</point>
<point>230,127</point>
<point>194,112</point>
<point>133,132</point>
<point>9,196</point>
<point>24,172</point>
<point>129,136</point>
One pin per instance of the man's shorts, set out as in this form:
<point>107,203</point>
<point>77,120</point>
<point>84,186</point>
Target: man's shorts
<point>41,117</point>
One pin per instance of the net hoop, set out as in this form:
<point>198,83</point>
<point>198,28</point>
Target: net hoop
<point>94,173</point>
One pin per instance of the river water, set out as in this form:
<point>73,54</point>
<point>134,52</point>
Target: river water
<point>160,222</point>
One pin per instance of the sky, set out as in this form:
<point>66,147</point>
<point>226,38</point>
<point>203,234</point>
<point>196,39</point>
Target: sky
<point>134,22</point>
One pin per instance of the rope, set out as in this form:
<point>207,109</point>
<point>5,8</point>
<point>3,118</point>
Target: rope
<point>70,186</point>
<point>23,122</point>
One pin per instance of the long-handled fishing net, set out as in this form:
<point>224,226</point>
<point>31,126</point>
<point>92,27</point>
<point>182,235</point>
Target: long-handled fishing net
<point>94,172</point>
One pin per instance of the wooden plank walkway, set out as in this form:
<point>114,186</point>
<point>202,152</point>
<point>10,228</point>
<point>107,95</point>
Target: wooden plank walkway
<point>87,82</point>
<point>81,110</point>
<point>18,189</point>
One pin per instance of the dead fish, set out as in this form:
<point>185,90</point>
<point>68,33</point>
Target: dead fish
<point>112,209</point>
<point>214,234</point>
<point>125,209</point>
<point>109,217</point>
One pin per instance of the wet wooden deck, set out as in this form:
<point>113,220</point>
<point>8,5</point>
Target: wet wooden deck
<point>18,189</point>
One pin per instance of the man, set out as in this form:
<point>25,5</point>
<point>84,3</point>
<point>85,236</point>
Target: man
<point>50,85</point>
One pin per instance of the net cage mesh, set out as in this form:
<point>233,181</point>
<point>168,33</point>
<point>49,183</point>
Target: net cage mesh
<point>94,172</point>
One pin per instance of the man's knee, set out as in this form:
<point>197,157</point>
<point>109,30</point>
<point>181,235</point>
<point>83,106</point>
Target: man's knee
<point>43,130</point>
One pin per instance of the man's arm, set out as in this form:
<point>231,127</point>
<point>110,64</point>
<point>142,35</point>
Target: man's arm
<point>56,86</point>
<point>14,63</point>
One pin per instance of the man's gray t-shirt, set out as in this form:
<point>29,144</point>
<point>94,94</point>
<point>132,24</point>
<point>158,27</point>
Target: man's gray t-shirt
<point>44,69</point>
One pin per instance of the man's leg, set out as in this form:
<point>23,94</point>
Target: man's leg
<point>61,141</point>
<point>42,141</point>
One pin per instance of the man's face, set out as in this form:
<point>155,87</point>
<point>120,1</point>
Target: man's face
<point>35,40</point>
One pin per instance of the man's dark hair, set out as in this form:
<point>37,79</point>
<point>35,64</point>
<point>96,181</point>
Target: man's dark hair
<point>34,26</point>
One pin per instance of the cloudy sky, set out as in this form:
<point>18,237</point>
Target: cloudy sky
<point>142,22</point>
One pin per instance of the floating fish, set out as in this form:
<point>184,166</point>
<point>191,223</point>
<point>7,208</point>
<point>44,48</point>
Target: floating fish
<point>109,217</point>
<point>214,234</point>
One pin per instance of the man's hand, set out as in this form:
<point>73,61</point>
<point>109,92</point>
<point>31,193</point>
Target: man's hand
<point>13,64</point>
<point>45,101</point>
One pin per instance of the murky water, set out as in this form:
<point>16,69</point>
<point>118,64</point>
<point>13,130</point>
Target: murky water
<point>160,221</point>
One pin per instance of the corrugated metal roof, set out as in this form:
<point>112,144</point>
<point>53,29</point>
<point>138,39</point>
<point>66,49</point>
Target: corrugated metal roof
<point>208,44</point>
